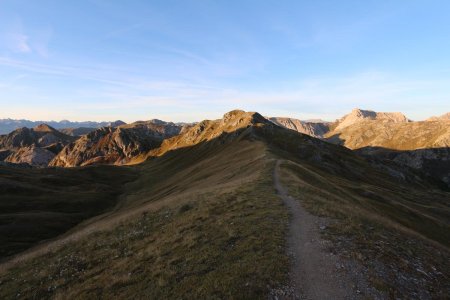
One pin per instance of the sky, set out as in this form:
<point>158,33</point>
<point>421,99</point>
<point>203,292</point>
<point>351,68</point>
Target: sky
<point>192,60</point>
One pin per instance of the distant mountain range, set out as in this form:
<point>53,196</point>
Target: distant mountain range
<point>8,125</point>
<point>387,136</point>
<point>380,135</point>
<point>158,210</point>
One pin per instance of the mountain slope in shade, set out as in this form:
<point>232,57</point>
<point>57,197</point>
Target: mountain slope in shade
<point>314,128</point>
<point>424,146</point>
<point>202,217</point>
<point>115,145</point>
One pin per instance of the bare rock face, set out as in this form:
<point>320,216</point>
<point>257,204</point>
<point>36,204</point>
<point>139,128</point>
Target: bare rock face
<point>35,146</point>
<point>239,118</point>
<point>392,137</point>
<point>31,155</point>
<point>423,146</point>
<point>40,136</point>
<point>77,132</point>
<point>315,129</point>
<point>395,136</point>
<point>115,145</point>
<point>358,115</point>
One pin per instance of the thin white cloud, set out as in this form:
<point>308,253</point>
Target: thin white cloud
<point>40,41</point>
<point>18,42</point>
<point>305,98</point>
<point>16,38</point>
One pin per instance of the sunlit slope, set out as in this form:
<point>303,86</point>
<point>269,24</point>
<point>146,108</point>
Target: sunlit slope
<point>202,217</point>
<point>201,220</point>
<point>394,136</point>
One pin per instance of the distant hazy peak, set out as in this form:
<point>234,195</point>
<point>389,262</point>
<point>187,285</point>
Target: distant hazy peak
<point>357,115</point>
<point>158,122</point>
<point>117,123</point>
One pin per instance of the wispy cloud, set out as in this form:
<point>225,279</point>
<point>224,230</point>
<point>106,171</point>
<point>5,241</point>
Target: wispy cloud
<point>15,38</point>
<point>40,41</point>
<point>18,42</point>
<point>314,97</point>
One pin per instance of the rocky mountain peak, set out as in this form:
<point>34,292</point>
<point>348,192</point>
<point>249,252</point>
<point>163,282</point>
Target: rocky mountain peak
<point>315,129</point>
<point>117,123</point>
<point>362,113</point>
<point>115,145</point>
<point>237,118</point>
<point>44,128</point>
<point>357,115</point>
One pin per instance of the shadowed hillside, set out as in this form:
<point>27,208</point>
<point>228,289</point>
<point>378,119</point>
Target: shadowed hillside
<point>38,204</point>
<point>202,217</point>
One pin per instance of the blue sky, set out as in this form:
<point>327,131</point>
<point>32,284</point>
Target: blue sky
<point>191,60</point>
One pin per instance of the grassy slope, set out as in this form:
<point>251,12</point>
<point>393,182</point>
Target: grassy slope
<point>199,222</point>
<point>38,204</point>
<point>399,231</point>
<point>401,236</point>
<point>205,221</point>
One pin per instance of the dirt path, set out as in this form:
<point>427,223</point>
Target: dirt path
<point>314,273</point>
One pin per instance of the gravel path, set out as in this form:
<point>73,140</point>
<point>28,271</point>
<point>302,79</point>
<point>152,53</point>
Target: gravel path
<point>315,272</point>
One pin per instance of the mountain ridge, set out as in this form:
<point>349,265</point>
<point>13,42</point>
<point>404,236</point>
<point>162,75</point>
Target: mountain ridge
<point>203,209</point>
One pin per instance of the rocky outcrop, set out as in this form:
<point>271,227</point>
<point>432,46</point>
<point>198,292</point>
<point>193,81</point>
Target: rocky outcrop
<point>423,146</point>
<point>321,129</point>
<point>39,136</point>
<point>392,137</point>
<point>35,146</point>
<point>396,136</point>
<point>316,128</point>
<point>357,115</point>
<point>115,145</point>
<point>215,131</point>
<point>77,131</point>
<point>31,155</point>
